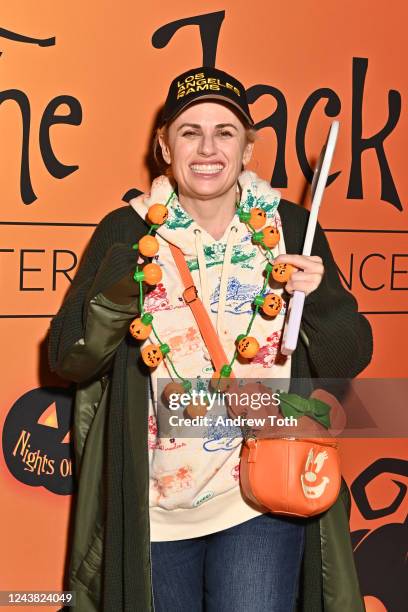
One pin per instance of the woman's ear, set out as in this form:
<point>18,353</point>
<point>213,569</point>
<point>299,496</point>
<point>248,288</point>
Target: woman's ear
<point>165,150</point>
<point>247,153</point>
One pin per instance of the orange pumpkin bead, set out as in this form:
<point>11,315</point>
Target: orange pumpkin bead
<point>148,246</point>
<point>170,388</point>
<point>152,355</point>
<point>272,304</point>
<point>139,330</point>
<point>157,214</point>
<point>200,409</point>
<point>152,273</point>
<point>271,236</point>
<point>258,218</point>
<point>282,272</point>
<point>248,347</point>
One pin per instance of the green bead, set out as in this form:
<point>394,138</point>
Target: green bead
<point>257,237</point>
<point>187,385</point>
<point>147,318</point>
<point>259,300</point>
<point>268,267</point>
<point>244,216</point>
<point>139,276</point>
<point>135,246</point>
<point>164,348</point>
<point>226,371</point>
<point>239,338</point>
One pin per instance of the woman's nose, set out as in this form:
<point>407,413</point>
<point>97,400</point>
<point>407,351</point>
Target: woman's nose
<point>206,145</point>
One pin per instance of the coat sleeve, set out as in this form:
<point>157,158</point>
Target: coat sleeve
<point>339,338</point>
<point>106,326</point>
<point>88,328</point>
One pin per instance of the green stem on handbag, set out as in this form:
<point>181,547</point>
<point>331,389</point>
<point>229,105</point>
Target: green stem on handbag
<point>294,405</point>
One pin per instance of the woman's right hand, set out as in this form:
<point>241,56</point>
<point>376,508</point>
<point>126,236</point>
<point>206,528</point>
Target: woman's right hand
<point>121,259</point>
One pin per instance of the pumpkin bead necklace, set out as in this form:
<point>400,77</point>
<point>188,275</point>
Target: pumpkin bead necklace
<point>247,346</point>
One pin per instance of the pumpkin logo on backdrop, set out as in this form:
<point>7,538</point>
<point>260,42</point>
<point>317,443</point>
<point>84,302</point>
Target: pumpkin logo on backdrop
<point>36,439</point>
<point>380,553</point>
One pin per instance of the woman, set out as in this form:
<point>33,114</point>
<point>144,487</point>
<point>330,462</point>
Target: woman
<point>162,524</point>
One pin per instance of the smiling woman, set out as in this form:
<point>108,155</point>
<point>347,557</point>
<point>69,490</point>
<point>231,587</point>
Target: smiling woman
<point>193,131</point>
<point>180,534</point>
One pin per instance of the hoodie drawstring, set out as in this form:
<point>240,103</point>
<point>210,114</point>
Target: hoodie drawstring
<point>205,293</point>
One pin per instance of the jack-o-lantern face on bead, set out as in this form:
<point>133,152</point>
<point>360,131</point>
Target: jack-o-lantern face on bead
<point>281,272</point>
<point>139,330</point>
<point>258,218</point>
<point>272,304</point>
<point>271,236</point>
<point>157,214</point>
<point>248,347</point>
<point>152,355</point>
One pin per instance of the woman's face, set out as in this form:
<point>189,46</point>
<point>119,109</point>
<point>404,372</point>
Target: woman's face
<point>206,149</point>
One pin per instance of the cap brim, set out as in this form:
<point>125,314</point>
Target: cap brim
<point>212,97</point>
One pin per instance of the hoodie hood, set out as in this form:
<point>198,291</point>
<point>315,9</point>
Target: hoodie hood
<point>200,249</point>
<point>180,227</point>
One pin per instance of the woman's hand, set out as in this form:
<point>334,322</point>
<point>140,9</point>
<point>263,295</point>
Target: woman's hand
<point>308,275</point>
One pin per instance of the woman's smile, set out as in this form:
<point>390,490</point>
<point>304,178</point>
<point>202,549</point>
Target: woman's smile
<point>207,171</point>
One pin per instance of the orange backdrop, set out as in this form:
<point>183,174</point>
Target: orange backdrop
<point>81,84</point>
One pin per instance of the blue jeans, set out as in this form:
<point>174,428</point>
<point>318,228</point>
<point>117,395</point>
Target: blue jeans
<point>251,567</point>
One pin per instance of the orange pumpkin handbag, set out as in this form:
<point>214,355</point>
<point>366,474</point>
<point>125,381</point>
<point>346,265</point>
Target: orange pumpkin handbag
<point>298,477</point>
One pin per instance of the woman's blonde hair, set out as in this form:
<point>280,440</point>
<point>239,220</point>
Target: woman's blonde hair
<point>163,166</point>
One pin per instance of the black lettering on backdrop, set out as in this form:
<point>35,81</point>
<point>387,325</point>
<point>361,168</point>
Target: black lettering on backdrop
<point>332,109</point>
<point>394,272</point>
<point>49,118</point>
<point>23,269</point>
<point>278,121</point>
<point>209,26</point>
<point>376,142</point>
<point>362,268</point>
<point>22,38</point>
<point>23,102</point>
<point>64,271</point>
<point>53,165</point>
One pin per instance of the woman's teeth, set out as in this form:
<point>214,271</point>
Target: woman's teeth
<point>206,168</point>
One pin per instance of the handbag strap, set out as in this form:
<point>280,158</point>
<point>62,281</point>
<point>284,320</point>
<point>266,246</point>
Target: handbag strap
<point>190,296</point>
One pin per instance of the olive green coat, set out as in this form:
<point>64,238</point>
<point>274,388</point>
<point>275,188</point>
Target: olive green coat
<point>322,350</point>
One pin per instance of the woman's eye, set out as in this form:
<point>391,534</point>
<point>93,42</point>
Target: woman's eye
<point>188,133</point>
<point>226,133</point>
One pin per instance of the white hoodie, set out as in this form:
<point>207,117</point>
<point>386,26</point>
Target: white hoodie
<point>194,482</point>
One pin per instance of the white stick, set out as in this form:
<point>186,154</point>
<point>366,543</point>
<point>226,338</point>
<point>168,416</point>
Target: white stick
<point>296,303</point>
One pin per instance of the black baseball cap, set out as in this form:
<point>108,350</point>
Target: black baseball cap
<point>204,83</point>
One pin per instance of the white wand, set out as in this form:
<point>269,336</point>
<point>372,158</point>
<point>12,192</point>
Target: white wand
<point>321,173</point>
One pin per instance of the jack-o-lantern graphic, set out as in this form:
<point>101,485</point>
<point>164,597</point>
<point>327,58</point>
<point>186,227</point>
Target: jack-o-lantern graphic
<point>281,272</point>
<point>271,236</point>
<point>152,355</point>
<point>314,483</point>
<point>37,441</point>
<point>248,346</point>
<point>139,330</point>
<point>258,218</point>
<point>272,304</point>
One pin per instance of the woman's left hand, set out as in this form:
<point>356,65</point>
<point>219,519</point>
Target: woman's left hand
<point>308,275</point>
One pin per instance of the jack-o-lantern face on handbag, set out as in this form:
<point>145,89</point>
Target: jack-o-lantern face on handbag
<point>306,482</point>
